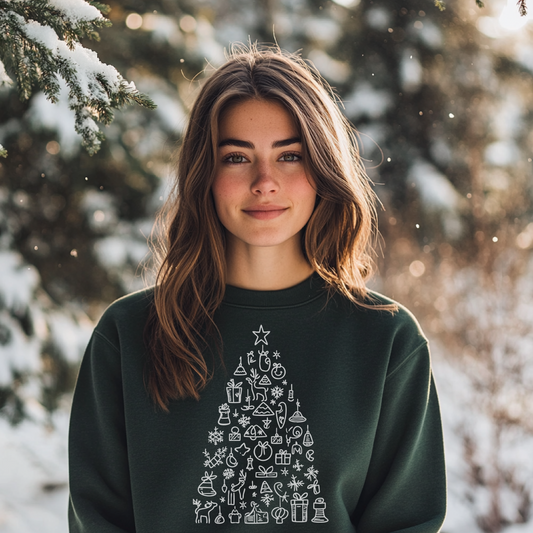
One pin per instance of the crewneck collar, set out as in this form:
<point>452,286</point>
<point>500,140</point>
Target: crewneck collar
<point>308,290</point>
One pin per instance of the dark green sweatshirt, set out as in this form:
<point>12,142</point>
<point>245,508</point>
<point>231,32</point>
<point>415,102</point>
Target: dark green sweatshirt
<point>324,419</point>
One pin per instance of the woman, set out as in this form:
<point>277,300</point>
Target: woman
<point>260,382</point>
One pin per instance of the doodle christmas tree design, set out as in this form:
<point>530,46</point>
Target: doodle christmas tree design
<point>258,461</point>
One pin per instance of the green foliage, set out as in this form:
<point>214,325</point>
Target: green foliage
<point>39,42</point>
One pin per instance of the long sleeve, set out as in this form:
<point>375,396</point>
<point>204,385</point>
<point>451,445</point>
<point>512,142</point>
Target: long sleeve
<point>405,489</point>
<point>100,493</point>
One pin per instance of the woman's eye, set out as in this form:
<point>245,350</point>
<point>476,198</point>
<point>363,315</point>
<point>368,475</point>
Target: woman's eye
<point>235,158</point>
<point>291,157</point>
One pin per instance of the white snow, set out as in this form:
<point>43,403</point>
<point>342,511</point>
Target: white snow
<point>4,78</point>
<point>58,117</point>
<point>367,101</point>
<point>378,18</point>
<point>502,153</point>
<point>77,10</point>
<point>411,71</point>
<point>322,30</point>
<point>18,282</point>
<point>335,71</point>
<point>431,35</point>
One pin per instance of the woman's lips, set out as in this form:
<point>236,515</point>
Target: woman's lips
<point>265,212</point>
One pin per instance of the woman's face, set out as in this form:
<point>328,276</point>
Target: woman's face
<point>262,194</point>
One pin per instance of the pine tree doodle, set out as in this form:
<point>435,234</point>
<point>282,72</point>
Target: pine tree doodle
<point>262,445</point>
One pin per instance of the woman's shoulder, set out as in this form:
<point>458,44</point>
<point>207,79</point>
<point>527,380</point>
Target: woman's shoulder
<point>127,314</point>
<point>381,317</point>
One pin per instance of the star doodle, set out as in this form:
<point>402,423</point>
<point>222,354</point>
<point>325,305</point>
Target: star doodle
<point>284,382</point>
<point>261,335</point>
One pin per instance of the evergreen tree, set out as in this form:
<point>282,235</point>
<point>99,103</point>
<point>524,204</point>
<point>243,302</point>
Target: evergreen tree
<point>40,40</point>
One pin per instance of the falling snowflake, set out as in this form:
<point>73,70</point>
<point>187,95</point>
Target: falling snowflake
<point>267,499</point>
<point>297,465</point>
<point>311,473</point>
<point>276,354</point>
<point>285,472</point>
<point>216,436</point>
<point>272,402</point>
<point>294,483</point>
<point>243,505</point>
<point>277,392</point>
<point>222,499</point>
<point>244,420</point>
<point>228,473</point>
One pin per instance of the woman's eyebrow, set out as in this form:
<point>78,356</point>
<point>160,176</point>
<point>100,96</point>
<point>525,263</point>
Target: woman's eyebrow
<point>246,144</point>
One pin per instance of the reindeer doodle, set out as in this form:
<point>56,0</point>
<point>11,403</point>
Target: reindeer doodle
<point>254,387</point>
<point>203,511</point>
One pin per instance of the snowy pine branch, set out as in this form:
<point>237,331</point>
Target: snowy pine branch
<point>39,41</point>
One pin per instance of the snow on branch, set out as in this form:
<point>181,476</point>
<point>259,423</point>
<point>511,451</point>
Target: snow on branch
<point>40,41</point>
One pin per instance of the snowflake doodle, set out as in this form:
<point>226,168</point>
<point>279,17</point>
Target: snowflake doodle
<point>229,473</point>
<point>267,499</point>
<point>276,354</point>
<point>277,392</point>
<point>285,472</point>
<point>244,420</point>
<point>311,473</point>
<point>216,436</point>
<point>297,465</point>
<point>222,499</point>
<point>243,505</point>
<point>294,483</point>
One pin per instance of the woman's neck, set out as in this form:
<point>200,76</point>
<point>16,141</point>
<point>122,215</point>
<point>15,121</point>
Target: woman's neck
<point>265,268</point>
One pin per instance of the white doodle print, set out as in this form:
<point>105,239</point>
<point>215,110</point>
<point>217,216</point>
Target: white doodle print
<point>203,511</point>
<point>223,418</point>
<point>244,420</point>
<point>281,415</point>
<point>234,434</point>
<point>248,406</point>
<point>256,516</point>
<point>230,460</point>
<point>241,371</point>
<point>308,439</point>
<point>260,336</point>
<point>291,395</point>
<point>267,499</point>
<point>206,486</point>
<point>255,387</point>
<point>264,361</point>
<point>263,451</point>
<point>267,444</point>
<point>278,371</point>
<point>234,391</point>
<point>297,416</point>
<point>215,437</point>
<point>217,459</point>
<point>280,513</point>
<point>276,392</point>
<point>320,509</point>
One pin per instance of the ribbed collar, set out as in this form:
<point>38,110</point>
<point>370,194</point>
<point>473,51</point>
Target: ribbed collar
<point>306,291</point>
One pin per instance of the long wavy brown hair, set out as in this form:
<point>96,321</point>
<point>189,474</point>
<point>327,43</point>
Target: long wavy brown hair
<point>191,275</point>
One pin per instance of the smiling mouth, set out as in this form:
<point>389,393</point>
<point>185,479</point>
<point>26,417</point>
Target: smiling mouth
<point>265,212</point>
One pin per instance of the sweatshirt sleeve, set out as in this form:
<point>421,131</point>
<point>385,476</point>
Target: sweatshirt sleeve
<point>100,495</point>
<point>405,489</point>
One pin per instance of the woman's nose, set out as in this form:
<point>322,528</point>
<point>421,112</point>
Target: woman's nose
<point>264,180</point>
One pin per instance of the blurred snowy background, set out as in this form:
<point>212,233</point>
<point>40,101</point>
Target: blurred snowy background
<point>443,101</point>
